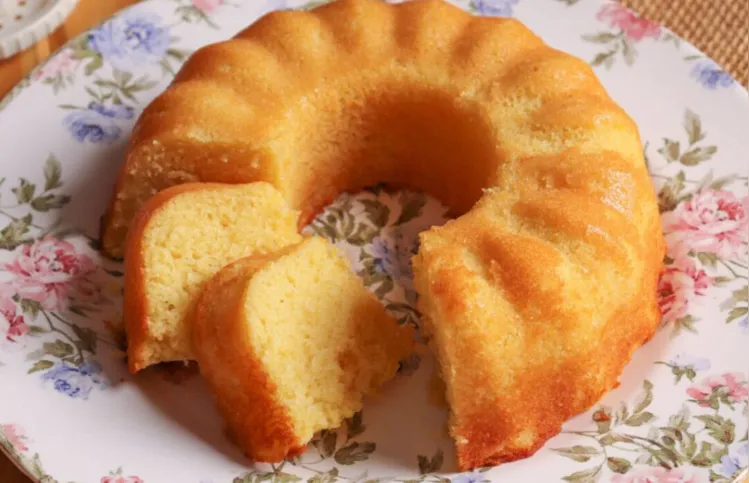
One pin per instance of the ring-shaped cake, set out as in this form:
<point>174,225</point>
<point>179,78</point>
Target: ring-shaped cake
<point>537,296</point>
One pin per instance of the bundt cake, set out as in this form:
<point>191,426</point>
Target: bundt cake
<point>535,297</point>
<point>181,238</point>
<point>289,343</point>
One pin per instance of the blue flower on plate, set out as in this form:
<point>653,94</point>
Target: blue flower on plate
<point>96,122</point>
<point>392,254</point>
<point>496,8</point>
<point>736,460</point>
<point>115,111</point>
<point>686,365</point>
<point>76,382</point>
<point>131,39</point>
<point>467,478</point>
<point>710,75</point>
<point>686,361</point>
<point>383,253</point>
<point>88,126</point>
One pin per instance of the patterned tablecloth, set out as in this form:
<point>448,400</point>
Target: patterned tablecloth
<point>720,28</point>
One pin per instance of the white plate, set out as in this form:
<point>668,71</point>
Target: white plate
<point>70,412</point>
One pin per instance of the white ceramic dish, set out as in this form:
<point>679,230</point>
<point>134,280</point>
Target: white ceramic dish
<point>70,412</point>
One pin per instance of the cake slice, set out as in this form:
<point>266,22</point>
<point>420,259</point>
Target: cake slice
<point>181,238</point>
<point>290,343</point>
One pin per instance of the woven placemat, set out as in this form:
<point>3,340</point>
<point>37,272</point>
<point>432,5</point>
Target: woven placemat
<point>719,28</point>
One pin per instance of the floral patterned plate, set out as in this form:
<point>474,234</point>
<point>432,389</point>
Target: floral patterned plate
<point>69,412</point>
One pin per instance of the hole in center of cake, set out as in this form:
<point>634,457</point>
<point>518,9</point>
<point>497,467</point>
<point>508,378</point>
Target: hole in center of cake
<point>377,229</point>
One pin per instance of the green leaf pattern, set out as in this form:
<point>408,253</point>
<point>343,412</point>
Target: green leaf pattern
<point>688,438</point>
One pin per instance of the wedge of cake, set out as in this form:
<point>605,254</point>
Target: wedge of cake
<point>181,238</point>
<point>290,343</point>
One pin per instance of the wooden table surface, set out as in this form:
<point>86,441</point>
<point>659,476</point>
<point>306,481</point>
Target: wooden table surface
<point>88,13</point>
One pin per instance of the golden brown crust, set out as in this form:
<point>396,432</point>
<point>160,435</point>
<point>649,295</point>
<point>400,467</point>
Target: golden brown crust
<point>521,304</point>
<point>247,139</point>
<point>244,392</point>
<point>544,394</point>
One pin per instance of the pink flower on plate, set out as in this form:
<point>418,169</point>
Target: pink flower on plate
<point>49,270</point>
<point>730,388</point>
<point>207,6</point>
<point>656,475</point>
<point>680,283</point>
<point>119,478</point>
<point>634,27</point>
<point>14,435</point>
<point>713,221</point>
<point>12,324</point>
<point>60,64</point>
